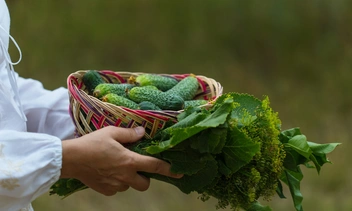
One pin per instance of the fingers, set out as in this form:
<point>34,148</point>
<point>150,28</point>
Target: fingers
<point>154,165</point>
<point>140,182</point>
<point>108,188</point>
<point>126,135</point>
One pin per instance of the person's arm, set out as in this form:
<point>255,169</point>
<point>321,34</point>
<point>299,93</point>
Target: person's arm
<point>31,162</point>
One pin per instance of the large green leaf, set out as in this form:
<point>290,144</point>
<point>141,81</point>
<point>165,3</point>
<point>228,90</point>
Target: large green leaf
<point>201,142</point>
<point>316,163</point>
<point>195,182</point>
<point>184,160</point>
<point>245,101</point>
<point>299,144</point>
<point>179,134</point>
<point>318,156</point>
<point>322,148</point>
<point>239,149</point>
<point>279,190</point>
<point>223,169</point>
<point>293,180</point>
<point>293,159</point>
<point>286,135</point>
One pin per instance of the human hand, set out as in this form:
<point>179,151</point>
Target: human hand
<point>99,160</point>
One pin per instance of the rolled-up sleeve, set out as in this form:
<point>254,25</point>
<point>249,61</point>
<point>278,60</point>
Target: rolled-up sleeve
<point>29,164</point>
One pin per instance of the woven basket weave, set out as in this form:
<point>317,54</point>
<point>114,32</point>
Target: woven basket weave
<point>90,113</point>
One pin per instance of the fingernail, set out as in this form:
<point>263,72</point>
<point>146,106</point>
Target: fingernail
<point>139,130</point>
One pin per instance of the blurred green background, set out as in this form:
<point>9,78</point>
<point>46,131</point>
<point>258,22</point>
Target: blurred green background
<point>299,53</point>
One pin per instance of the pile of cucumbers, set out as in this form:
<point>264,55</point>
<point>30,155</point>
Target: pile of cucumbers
<point>145,92</point>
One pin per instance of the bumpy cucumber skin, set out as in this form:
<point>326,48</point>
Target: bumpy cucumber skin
<point>163,83</point>
<point>146,105</point>
<point>195,103</point>
<point>119,101</point>
<point>151,87</point>
<point>106,88</point>
<point>186,88</point>
<point>91,79</point>
<point>163,100</point>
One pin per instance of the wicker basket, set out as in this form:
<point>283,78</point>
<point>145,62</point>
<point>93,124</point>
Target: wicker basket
<point>89,113</point>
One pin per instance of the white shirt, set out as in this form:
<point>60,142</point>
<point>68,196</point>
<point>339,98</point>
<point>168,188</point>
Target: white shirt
<point>33,121</point>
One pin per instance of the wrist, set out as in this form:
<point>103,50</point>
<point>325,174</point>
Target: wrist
<point>70,153</point>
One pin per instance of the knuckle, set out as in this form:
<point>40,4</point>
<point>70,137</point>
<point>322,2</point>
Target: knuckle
<point>130,134</point>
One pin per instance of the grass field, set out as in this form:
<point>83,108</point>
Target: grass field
<point>299,53</point>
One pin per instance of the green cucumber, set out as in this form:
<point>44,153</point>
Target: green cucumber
<point>195,103</point>
<point>106,88</point>
<point>91,79</point>
<point>163,100</point>
<point>119,101</point>
<point>186,88</point>
<point>151,87</point>
<point>161,82</point>
<point>146,105</point>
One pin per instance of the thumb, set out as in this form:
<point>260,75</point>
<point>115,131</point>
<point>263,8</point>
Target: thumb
<point>128,135</point>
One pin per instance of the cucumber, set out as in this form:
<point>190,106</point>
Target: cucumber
<point>146,105</point>
<point>119,101</point>
<point>106,88</point>
<point>186,88</point>
<point>195,103</point>
<point>91,79</point>
<point>161,82</point>
<point>161,99</point>
<point>151,87</point>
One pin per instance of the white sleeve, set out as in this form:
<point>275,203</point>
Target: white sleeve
<point>29,164</point>
<point>47,111</point>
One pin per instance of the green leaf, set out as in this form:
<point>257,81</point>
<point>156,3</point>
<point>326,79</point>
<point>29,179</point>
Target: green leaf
<point>316,163</point>
<point>286,135</point>
<point>319,153</point>
<point>216,135</point>
<point>179,134</point>
<point>256,206</point>
<point>189,111</point>
<point>322,148</point>
<point>299,144</point>
<point>321,159</point>
<point>239,149</point>
<point>313,152</point>
<point>219,116</point>
<point>67,186</point>
<point>293,159</point>
<point>189,183</point>
<point>184,161</point>
<point>223,169</point>
<point>279,190</point>
<point>245,101</point>
<point>293,180</point>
